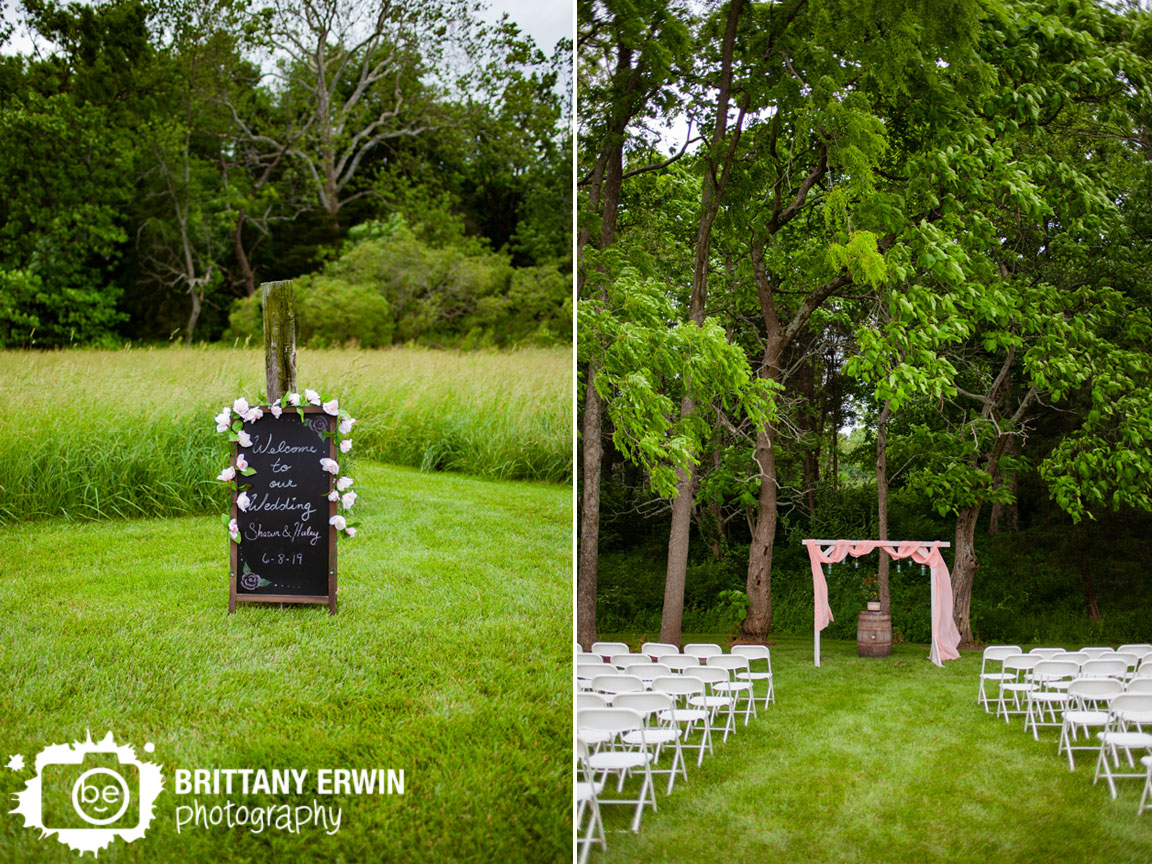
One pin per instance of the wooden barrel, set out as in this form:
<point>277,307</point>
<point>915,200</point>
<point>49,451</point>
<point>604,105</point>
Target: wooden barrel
<point>874,634</point>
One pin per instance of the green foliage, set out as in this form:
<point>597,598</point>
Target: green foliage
<point>332,312</point>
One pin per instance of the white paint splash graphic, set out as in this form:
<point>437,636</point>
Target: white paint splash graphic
<point>94,839</point>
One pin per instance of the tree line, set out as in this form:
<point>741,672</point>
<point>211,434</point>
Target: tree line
<point>159,160</point>
<point>929,220</point>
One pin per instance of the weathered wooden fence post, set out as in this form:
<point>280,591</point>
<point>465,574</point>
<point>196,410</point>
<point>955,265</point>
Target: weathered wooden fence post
<point>279,338</point>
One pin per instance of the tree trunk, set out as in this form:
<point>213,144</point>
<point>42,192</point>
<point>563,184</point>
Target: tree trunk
<point>193,315</point>
<point>882,504</point>
<point>964,571</point>
<point>589,516</point>
<point>672,617</point>
<point>758,622</point>
<point>242,255</point>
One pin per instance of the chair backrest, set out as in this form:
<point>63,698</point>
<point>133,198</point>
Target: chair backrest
<point>997,653</point>
<point>609,719</point>
<point>1132,660</point>
<point>1076,656</point>
<point>1094,692</point>
<point>729,662</point>
<point>590,700</point>
<point>1097,651</point>
<point>607,649</point>
<point>645,704</point>
<point>1021,662</point>
<point>588,671</point>
<point>1145,669</point>
<point>680,661</point>
<point>1047,652</point>
<point>586,657</point>
<point>709,674</point>
<point>623,661</point>
<point>1140,648</point>
<point>1132,707</point>
<point>1104,667</point>
<point>656,650</point>
<point>1139,685</point>
<point>753,652</point>
<point>1055,670</point>
<point>650,671</point>
<point>678,685</point>
<point>618,684</point>
<point>703,649</point>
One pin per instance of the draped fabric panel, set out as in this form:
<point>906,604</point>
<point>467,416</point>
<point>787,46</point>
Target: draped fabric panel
<point>945,635</point>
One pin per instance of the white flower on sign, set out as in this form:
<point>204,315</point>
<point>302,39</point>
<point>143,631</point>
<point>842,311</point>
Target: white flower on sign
<point>254,414</point>
<point>312,396</point>
<point>348,499</point>
<point>276,411</point>
<point>351,532</point>
<point>330,465</point>
<point>244,439</point>
<point>241,462</point>
<point>345,445</point>
<point>223,417</point>
<point>343,483</point>
<point>240,406</point>
<point>243,502</point>
<point>332,407</point>
<point>339,521</point>
<point>221,427</point>
<point>227,474</point>
<point>346,425</point>
<point>333,495</point>
<point>293,398</point>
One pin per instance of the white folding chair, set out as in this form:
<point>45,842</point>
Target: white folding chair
<point>1097,651</point>
<point>1139,685</point>
<point>660,731</point>
<point>1087,709</point>
<point>1138,648</point>
<point>680,662</point>
<point>712,699</point>
<point>614,683</point>
<point>682,688</point>
<point>1050,679</point>
<point>588,790</point>
<point>754,653</point>
<point>656,650</point>
<point>1128,714</point>
<point>607,649</point>
<point>1019,684</point>
<point>994,654</point>
<point>1133,661</point>
<point>1108,666</point>
<point>735,686</point>
<point>1046,653</point>
<point>615,723</point>
<point>585,672</point>
<point>649,672</point>
<point>591,700</point>
<point>624,661</point>
<point>589,657</point>
<point>703,650</point>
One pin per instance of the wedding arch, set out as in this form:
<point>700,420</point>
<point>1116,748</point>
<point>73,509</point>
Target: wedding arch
<point>945,636</point>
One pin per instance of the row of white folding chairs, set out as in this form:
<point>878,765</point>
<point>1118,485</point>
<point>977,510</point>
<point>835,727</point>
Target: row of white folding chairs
<point>1120,708</point>
<point>1091,663</point>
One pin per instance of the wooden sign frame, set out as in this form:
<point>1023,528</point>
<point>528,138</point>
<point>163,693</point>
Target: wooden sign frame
<point>328,599</point>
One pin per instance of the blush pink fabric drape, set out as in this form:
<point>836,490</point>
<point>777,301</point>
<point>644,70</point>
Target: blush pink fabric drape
<point>945,635</point>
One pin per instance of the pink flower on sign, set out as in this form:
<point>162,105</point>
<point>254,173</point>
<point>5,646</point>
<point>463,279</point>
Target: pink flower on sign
<point>241,462</point>
<point>332,407</point>
<point>330,465</point>
<point>222,418</point>
<point>348,499</point>
<point>346,425</point>
<point>333,495</point>
<point>312,397</point>
<point>343,483</point>
<point>276,411</point>
<point>244,439</point>
<point>254,414</point>
<point>339,521</point>
<point>345,445</point>
<point>227,474</point>
<point>233,528</point>
<point>240,406</point>
<point>221,427</point>
<point>243,502</point>
<point>351,532</point>
<point>293,399</point>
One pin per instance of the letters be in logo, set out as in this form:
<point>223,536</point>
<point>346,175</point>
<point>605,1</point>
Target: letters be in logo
<point>88,793</point>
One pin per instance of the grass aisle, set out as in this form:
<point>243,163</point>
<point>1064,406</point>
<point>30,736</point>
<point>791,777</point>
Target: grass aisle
<point>884,761</point>
<point>449,658</point>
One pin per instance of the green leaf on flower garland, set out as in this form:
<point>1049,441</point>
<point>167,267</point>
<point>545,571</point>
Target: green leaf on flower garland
<point>237,426</point>
<point>300,411</point>
<point>225,518</point>
<point>248,472</point>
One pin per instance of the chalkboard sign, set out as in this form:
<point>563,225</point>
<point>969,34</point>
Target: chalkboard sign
<point>287,549</point>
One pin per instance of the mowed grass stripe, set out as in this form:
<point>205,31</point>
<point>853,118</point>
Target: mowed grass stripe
<point>883,760</point>
<point>448,658</point>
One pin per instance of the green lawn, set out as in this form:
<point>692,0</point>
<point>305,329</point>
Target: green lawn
<point>449,658</point>
<point>883,761</point>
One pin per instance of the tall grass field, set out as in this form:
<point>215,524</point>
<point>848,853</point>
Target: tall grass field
<point>117,434</point>
<point>881,761</point>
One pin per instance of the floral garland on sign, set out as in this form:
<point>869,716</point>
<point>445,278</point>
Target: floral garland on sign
<point>244,413</point>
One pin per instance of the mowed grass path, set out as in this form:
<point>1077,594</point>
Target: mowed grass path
<point>883,761</point>
<point>449,658</point>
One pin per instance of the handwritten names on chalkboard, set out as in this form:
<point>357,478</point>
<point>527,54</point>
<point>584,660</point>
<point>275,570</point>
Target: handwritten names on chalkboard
<point>287,551</point>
